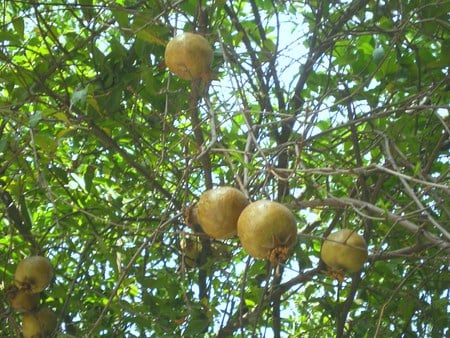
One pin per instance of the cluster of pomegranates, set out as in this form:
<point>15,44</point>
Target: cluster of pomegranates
<point>32,276</point>
<point>268,229</point>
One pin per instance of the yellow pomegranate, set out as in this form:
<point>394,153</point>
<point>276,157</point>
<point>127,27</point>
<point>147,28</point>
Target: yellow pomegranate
<point>39,324</point>
<point>344,250</point>
<point>21,300</point>
<point>218,210</point>
<point>33,274</point>
<point>189,56</point>
<point>267,230</point>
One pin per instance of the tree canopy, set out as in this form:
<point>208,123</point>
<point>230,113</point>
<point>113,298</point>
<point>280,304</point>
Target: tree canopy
<point>339,110</point>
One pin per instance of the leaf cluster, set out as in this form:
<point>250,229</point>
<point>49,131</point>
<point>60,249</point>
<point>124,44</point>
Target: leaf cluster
<point>338,110</point>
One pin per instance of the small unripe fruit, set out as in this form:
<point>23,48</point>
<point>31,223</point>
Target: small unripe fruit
<point>267,230</point>
<point>218,210</point>
<point>33,274</point>
<point>344,250</point>
<point>39,324</point>
<point>378,54</point>
<point>192,250</point>
<point>189,56</point>
<point>21,300</point>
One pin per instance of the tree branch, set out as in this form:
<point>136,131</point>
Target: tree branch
<point>397,219</point>
<point>15,217</point>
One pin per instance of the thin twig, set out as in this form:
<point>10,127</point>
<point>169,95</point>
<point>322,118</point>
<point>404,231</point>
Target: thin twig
<point>148,242</point>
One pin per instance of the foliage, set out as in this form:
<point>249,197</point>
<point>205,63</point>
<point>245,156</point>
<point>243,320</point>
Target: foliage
<point>337,109</point>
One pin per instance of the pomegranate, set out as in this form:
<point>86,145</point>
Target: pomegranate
<point>33,274</point>
<point>218,210</point>
<point>267,230</point>
<point>344,250</point>
<point>21,300</point>
<point>189,56</point>
<point>39,324</point>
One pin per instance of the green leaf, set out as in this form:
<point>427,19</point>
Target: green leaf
<point>9,36</point>
<point>19,26</point>
<point>88,177</point>
<point>26,216</point>
<point>79,96</point>
<point>35,118</point>
<point>269,45</point>
<point>46,143</point>
<point>196,327</point>
<point>151,33</point>
<point>122,17</point>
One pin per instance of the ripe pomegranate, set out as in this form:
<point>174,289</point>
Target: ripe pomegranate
<point>344,250</point>
<point>218,210</point>
<point>21,300</point>
<point>267,230</point>
<point>189,56</point>
<point>33,274</point>
<point>39,324</point>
